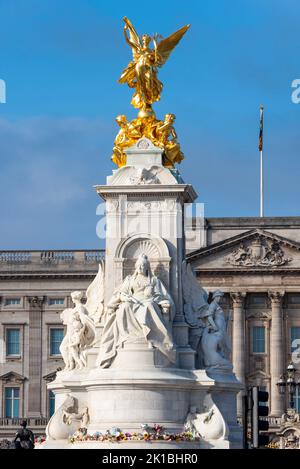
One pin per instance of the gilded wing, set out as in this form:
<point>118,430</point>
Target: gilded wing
<point>165,47</point>
<point>95,295</point>
<point>133,40</point>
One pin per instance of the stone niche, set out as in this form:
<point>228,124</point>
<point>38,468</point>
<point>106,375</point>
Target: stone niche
<point>154,247</point>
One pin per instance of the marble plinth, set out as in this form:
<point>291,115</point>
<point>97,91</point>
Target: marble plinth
<point>136,392</point>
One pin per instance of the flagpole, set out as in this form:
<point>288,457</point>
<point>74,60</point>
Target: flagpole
<point>260,147</point>
<point>261,184</point>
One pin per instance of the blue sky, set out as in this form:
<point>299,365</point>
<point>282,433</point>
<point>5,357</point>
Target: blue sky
<point>61,60</point>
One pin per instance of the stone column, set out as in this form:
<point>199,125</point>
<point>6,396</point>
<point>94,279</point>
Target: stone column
<point>276,352</point>
<point>239,344</point>
<point>35,356</point>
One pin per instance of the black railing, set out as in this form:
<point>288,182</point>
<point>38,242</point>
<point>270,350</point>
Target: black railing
<point>16,422</point>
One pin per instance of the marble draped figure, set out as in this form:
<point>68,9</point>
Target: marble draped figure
<point>79,335</point>
<point>140,308</point>
<point>209,336</point>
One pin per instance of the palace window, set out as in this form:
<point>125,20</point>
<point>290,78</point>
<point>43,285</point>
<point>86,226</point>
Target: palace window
<point>12,402</point>
<point>56,301</point>
<point>51,403</point>
<point>258,339</point>
<point>12,301</point>
<point>13,342</point>
<point>295,338</point>
<point>56,337</point>
<point>294,299</point>
<point>257,300</point>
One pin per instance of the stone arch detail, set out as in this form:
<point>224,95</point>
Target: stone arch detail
<point>155,248</point>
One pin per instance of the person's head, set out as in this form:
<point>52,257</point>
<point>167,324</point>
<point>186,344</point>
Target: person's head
<point>142,265</point>
<point>76,296</point>
<point>217,295</point>
<point>121,120</point>
<point>170,118</point>
<point>146,40</point>
<point>24,423</point>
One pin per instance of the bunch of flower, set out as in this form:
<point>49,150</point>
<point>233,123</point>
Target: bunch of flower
<point>273,445</point>
<point>39,439</point>
<point>80,435</point>
<point>157,432</point>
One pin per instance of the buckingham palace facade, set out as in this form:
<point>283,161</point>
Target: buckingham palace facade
<point>255,261</point>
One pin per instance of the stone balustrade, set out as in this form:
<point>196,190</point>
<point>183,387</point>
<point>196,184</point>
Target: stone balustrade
<point>9,426</point>
<point>18,260</point>
<point>16,422</point>
<point>15,257</point>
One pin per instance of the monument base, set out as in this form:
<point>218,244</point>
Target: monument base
<point>130,397</point>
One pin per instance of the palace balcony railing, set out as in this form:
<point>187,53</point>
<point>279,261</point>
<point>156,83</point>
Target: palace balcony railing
<point>16,422</point>
<point>28,261</point>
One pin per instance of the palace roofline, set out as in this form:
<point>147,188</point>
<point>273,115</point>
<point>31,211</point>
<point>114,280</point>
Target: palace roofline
<point>244,222</point>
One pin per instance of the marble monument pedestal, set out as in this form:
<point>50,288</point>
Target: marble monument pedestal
<point>141,389</point>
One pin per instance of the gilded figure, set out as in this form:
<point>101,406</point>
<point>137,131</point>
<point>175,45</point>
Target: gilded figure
<point>141,72</point>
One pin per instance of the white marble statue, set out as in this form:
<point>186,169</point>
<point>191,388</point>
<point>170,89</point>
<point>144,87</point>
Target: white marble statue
<point>79,335</point>
<point>140,308</point>
<point>208,424</point>
<point>82,417</point>
<point>57,428</point>
<point>67,419</point>
<point>80,322</point>
<point>207,321</point>
<point>215,342</point>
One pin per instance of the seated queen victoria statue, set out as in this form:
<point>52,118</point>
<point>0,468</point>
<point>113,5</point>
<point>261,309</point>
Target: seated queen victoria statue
<point>140,308</point>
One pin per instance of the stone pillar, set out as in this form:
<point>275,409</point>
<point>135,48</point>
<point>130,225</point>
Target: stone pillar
<point>35,356</point>
<point>238,344</point>
<point>276,352</point>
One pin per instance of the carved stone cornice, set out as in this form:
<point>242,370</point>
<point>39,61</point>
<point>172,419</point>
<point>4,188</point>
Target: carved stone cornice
<point>276,297</point>
<point>238,298</point>
<point>12,377</point>
<point>263,315</point>
<point>51,376</point>
<point>35,301</point>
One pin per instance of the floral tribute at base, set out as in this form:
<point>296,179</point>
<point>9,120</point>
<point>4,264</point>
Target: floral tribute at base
<point>148,433</point>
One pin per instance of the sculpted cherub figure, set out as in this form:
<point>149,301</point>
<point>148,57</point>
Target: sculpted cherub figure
<point>129,133</point>
<point>164,135</point>
<point>83,416</point>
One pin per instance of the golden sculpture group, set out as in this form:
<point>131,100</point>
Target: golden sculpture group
<point>141,74</point>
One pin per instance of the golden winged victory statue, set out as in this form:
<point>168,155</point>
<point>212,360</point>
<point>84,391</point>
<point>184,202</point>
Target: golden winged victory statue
<point>141,74</point>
